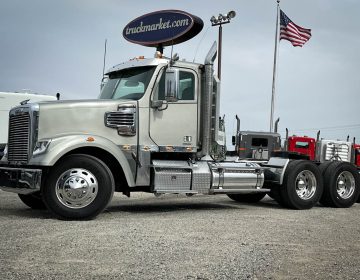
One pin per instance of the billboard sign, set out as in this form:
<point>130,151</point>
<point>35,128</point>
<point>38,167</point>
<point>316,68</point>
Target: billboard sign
<point>163,28</point>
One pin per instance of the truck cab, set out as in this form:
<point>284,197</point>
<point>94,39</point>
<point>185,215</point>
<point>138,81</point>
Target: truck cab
<point>303,145</point>
<point>258,145</point>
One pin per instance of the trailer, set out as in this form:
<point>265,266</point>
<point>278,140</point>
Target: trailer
<point>9,100</point>
<point>155,128</point>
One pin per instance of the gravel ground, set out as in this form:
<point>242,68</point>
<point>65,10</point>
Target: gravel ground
<point>177,237</point>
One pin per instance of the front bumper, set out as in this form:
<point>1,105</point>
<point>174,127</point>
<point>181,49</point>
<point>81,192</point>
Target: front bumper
<point>20,180</point>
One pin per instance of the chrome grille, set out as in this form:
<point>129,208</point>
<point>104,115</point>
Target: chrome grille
<point>19,137</point>
<point>116,119</point>
<point>337,151</point>
<point>124,120</point>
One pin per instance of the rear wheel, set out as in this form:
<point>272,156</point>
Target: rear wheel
<point>302,185</point>
<point>33,200</point>
<point>275,194</point>
<point>324,166</point>
<point>78,187</point>
<point>341,185</point>
<point>249,198</point>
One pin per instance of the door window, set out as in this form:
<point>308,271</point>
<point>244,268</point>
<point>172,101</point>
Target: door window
<point>186,87</point>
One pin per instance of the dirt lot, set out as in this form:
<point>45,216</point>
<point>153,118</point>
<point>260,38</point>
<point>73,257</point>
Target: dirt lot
<point>176,237</point>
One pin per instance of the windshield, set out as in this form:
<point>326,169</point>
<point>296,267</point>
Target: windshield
<point>128,83</point>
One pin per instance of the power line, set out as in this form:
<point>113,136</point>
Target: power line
<point>340,127</point>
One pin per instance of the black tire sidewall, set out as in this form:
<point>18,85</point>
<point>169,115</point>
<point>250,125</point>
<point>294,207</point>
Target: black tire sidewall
<point>34,201</point>
<point>105,187</point>
<point>288,189</point>
<point>331,196</point>
<point>324,166</point>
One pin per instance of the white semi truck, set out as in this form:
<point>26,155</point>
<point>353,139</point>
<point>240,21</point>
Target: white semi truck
<point>155,128</point>
<point>9,100</point>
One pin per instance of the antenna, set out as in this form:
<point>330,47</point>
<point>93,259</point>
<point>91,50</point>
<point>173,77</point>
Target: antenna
<point>202,38</point>
<point>171,55</point>
<point>104,58</point>
<point>172,59</point>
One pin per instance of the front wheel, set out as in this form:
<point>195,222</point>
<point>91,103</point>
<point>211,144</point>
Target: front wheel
<point>302,185</point>
<point>78,187</point>
<point>34,200</point>
<point>248,198</point>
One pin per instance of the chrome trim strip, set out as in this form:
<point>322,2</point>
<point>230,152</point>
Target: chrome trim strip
<point>244,191</point>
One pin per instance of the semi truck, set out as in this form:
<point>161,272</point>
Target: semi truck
<point>9,100</point>
<point>258,145</point>
<point>155,128</point>
<point>322,150</point>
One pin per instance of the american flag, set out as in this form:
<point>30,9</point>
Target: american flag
<point>297,35</point>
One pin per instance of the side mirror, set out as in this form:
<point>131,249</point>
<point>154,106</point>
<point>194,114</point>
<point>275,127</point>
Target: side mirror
<point>104,80</point>
<point>171,84</point>
<point>157,104</point>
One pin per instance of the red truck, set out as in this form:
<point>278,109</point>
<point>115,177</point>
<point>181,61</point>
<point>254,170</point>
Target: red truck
<point>303,145</point>
<point>356,148</point>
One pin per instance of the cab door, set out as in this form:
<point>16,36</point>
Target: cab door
<point>174,126</point>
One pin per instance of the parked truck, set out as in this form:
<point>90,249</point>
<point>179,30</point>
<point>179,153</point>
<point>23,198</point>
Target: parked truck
<point>9,100</point>
<point>155,128</point>
<point>257,145</point>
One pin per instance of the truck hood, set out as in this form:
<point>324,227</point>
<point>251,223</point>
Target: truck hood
<point>57,119</point>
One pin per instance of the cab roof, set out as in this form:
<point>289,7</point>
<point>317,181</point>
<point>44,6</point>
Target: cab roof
<point>139,62</point>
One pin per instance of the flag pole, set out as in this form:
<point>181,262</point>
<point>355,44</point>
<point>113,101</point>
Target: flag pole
<point>275,66</point>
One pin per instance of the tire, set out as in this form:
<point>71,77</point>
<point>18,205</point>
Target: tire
<point>302,185</point>
<point>78,188</point>
<point>275,194</point>
<point>34,200</point>
<point>324,166</point>
<point>248,198</point>
<point>341,185</point>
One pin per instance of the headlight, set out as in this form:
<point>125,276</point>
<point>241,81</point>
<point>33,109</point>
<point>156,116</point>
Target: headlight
<point>41,147</point>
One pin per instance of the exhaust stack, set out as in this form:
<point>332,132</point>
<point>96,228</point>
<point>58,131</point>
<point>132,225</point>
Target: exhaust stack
<point>276,125</point>
<point>207,102</point>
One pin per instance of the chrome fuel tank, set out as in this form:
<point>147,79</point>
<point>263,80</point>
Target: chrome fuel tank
<point>237,175</point>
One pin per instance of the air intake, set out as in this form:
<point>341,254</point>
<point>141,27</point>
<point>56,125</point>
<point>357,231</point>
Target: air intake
<point>124,119</point>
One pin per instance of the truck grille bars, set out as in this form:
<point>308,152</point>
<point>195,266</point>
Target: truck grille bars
<point>124,119</point>
<point>21,133</point>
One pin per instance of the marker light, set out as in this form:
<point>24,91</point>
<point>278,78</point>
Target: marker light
<point>41,147</point>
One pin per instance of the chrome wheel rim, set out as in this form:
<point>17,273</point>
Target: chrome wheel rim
<point>76,188</point>
<point>345,185</point>
<point>305,184</point>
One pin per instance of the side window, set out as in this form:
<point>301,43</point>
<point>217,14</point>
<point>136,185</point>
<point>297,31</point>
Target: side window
<point>159,91</point>
<point>186,86</point>
<point>259,142</point>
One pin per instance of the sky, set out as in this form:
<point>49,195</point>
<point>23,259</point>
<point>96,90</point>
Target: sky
<point>52,46</point>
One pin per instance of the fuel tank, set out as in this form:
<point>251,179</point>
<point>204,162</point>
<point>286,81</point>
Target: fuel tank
<point>237,175</point>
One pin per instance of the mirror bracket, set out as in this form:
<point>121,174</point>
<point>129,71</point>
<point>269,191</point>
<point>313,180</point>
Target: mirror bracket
<point>157,104</point>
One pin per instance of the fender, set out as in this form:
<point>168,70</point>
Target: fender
<point>60,146</point>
